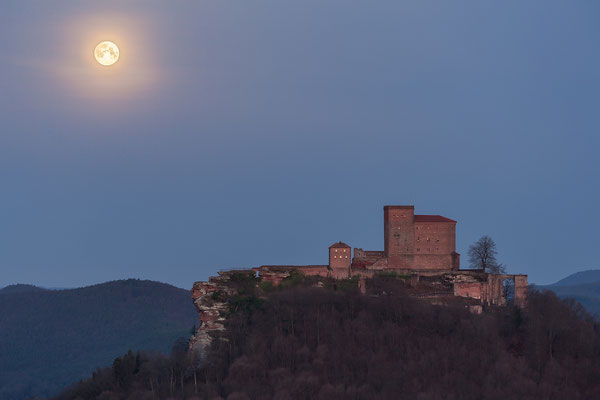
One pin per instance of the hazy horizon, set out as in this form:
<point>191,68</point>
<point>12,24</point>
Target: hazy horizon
<point>237,134</point>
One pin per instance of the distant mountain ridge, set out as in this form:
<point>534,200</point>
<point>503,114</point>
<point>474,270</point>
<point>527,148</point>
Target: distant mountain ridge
<point>20,288</point>
<point>579,278</point>
<point>583,286</point>
<point>52,338</point>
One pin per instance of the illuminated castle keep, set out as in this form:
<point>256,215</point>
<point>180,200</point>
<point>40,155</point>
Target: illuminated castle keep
<point>413,242</point>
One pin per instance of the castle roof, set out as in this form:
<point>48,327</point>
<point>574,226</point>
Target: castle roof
<point>339,245</point>
<point>432,218</point>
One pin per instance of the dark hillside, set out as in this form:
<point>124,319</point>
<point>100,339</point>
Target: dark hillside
<point>51,338</point>
<point>586,294</point>
<point>334,343</point>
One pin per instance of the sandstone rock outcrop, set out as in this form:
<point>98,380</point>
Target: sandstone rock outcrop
<point>210,299</point>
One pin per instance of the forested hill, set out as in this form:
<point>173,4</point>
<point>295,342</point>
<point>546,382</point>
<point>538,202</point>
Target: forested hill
<point>20,288</point>
<point>52,338</point>
<point>297,341</point>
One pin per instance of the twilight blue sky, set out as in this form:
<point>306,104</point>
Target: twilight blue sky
<point>239,133</point>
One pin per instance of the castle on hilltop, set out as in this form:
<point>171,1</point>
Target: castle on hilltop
<point>415,245</point>
<point>419,249</point>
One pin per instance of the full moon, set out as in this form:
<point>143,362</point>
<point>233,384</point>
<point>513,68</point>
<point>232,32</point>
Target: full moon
<point>106,53</point>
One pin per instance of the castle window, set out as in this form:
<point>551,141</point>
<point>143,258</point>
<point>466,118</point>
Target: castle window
<point>346,256</point>
<point>418,249</point>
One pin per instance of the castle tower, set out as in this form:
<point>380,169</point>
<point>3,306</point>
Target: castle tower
<point>340,258</point>
<point>398,225</point>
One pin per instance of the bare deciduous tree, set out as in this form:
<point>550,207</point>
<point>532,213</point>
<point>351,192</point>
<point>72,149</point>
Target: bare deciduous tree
<point>499,268</point>
<point>482,254</point>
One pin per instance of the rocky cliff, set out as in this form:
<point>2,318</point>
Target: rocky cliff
<point>211,300</point>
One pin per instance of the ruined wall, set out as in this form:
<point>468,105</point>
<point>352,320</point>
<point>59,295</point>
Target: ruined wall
<point>492,291</point>
<point>468,289</point>
<point>365,259</point>
<point>488,288</point>
<point>520,290</point>
<point>372,255</point>
<point>466,284</point>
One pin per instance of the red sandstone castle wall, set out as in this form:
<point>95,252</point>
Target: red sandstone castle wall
<point>398,222</point>
<point>433,262</point>
<point>420,245</point>
<point>520,290</point>
<point>365,259</point>
<point>489,289</point>
<point>314,270</point>
<point>435,237</point>
<point>435,246</point>
<point>406,261</point>
<point>398,228</point>
<point>340,257</point>
<point>368,254</point>
<point>469,289</point>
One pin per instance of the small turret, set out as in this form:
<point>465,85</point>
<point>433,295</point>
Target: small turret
<point>340,258</point>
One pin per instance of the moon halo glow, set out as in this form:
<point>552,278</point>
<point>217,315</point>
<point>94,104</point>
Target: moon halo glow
<point>106,53</point>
